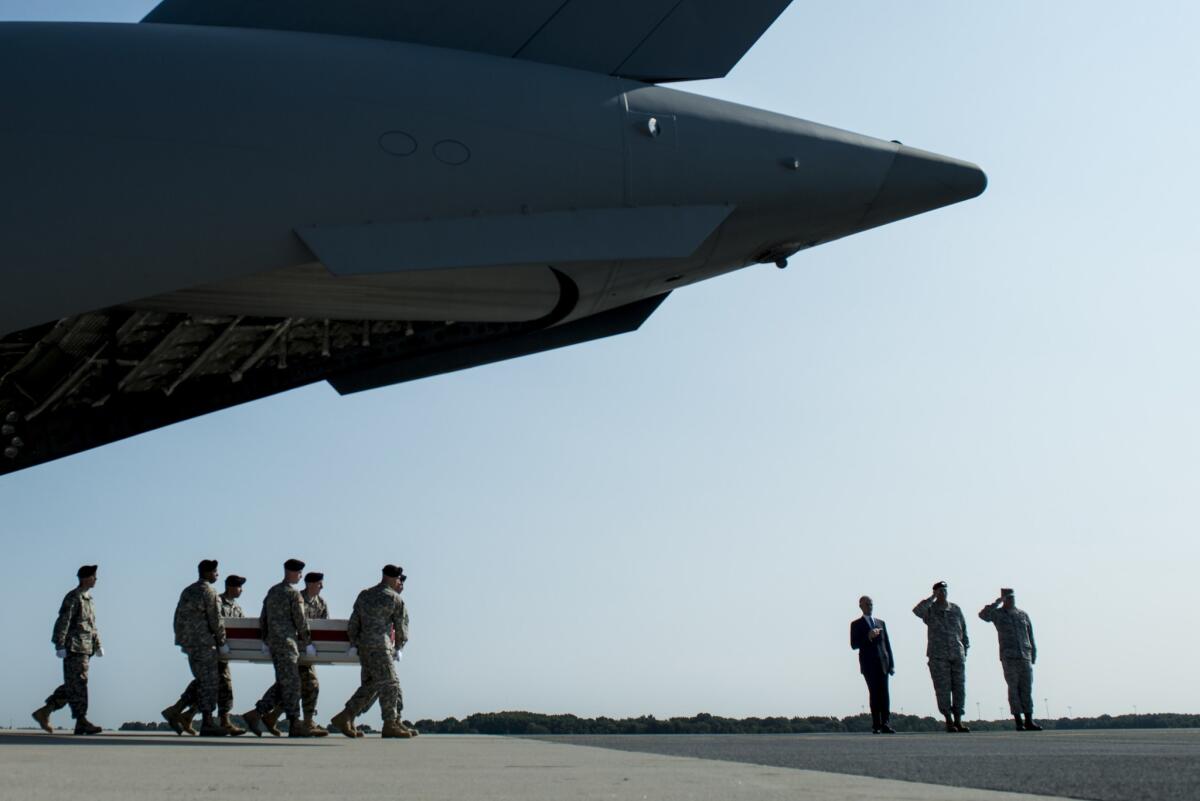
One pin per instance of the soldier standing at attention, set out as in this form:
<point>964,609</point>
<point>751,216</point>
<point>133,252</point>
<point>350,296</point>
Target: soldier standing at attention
<point>378,612</point>
<point>1018,653</point>
<point>947,652</point>
<point>200,634</point>
<point>76,640</point>
<point>284,632</point>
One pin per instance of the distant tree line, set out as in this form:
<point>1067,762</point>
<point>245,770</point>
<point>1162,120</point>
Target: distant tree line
<point>535,723</point>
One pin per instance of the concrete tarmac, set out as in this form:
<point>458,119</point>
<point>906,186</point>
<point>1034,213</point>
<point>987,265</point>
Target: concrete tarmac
<point>153,767</point>
<point>1112,765</point>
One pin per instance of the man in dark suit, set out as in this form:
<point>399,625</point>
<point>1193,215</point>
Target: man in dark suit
<point>868,636</point>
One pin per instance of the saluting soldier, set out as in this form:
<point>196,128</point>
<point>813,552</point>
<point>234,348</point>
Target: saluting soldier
<point>1018,654</point>
<point>284,631</point>
<point>76,640</point>
<point>200,633</point>
<point>378,612</point>
<point>179,715</point>
<point>946,629</point>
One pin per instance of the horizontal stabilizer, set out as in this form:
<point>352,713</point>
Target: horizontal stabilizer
<point>647,40</point>
<point>556,237</point>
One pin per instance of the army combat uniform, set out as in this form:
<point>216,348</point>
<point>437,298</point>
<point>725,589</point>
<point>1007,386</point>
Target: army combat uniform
<point>191,696</point>
<point>200,632</point>
<point>284,629</point>
<point>75,632</point>
<point>947,652</point>
<point>1018,652</point>
<point>378,611</point>
<point>310,688</point>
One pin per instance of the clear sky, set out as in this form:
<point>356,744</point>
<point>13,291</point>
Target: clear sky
<point>1001,393</point>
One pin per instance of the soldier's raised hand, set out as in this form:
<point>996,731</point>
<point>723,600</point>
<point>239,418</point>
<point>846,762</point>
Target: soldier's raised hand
<point>397,656</point>
<point>352,650</point>
<point>310,649</point>
<point>100,651</point>
<point>224,649</point>
<point>266,649</point>
<point>61,653</point>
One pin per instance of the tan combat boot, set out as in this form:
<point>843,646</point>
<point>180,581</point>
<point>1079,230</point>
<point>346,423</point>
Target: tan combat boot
<point>42,716</point>
<point>344,723</point>
<point>210,728</point>
<point>186,717</point>
<point>230,728</point>
<point>269,720</point>
<point>253,722</point>
<point>411,730</point>
<point>85,726</point>
<point>298,727</point>
<point>315,729</point>
<point>173,715</point>
<point>393,728</point>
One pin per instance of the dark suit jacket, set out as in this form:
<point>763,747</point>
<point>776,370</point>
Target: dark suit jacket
<point>873,656</point>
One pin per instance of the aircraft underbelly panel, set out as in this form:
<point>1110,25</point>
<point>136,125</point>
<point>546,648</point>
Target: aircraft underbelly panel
<point>496,294</point>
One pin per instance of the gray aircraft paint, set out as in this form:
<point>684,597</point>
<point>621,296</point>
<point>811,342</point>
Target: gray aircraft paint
<point>157,158</point>
<point>211,174</point>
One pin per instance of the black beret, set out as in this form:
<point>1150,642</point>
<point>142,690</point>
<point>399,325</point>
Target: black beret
<point>294,565</point>
<point>87,571</point>
<point>234,581</point>
<point>941,585</point>
<point>207,565</point>
<point>391,571</point>
<point>313,578</point>
<point>1004,591</point>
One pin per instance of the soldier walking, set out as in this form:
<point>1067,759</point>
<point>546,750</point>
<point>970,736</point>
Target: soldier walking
<point>284,632</point>
<point>76,640</point>
<point>947,651</point>
<point>378,613</point>
<point>200,633</point>
<point>179,715</point>
<point>1018,654</point>
<point>314,609</point>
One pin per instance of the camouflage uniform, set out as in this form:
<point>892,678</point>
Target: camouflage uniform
<point>285,631</point>
<point>947,652</point>
<point>75,632</point>
<point>310,688</point>
<point>191,696</point>
<point>378,612</point>
<point>200,632</point>
<point>1018,652</point>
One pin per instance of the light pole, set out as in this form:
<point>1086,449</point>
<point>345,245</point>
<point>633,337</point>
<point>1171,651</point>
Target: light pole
<point>1070,713</point>
<point>1046,701</point>
<point>978,712</point>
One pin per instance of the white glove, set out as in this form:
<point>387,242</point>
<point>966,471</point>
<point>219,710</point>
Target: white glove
<point>266,651</point>
<point>61,653</point>
<point>310,649</point>
<point>100,651</point>
<point>224,649</point>
<point>397,656</point>
<point>352,650</point>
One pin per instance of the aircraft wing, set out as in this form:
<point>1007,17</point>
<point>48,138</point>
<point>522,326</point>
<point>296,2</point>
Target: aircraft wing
<point>645,40</point>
